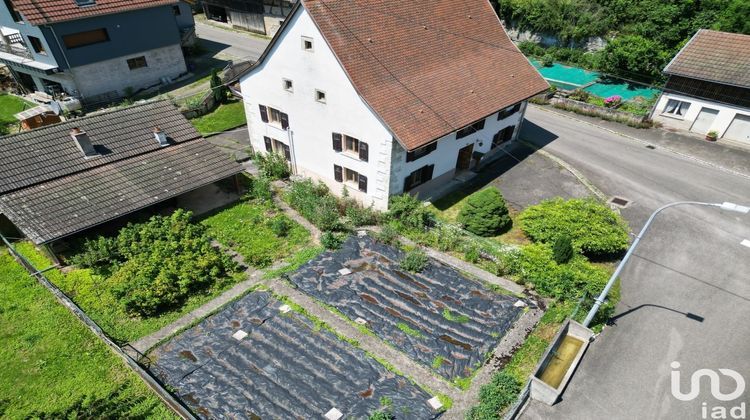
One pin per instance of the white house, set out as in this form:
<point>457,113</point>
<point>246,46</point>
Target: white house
<point>380,97</point>
<point>708,87</point>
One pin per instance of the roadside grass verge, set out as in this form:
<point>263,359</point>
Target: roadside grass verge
<point>52,366</point>
<point>225,117</point>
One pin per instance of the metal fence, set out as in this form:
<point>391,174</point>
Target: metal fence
<point>172,402</point>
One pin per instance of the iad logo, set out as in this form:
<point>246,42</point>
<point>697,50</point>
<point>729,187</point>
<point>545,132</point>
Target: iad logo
<point>718,412</point>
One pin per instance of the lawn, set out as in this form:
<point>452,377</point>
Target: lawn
<point>50,362</point>
<point>92,293</point>
<point>9,106</point>
<point>223,118</point>
<point>254,229</point>
<point>448,207</point>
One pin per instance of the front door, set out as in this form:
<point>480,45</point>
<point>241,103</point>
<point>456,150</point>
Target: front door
<point>464,158</point>
<point>704,120</point>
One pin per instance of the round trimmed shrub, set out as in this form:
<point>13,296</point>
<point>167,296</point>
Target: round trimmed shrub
<point>595,230</point>
<point>485,213</point>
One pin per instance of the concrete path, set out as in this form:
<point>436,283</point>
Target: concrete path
<point>685,294</point>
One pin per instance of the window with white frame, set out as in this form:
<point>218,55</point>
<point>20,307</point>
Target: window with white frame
<point>676,108</point>
<point>350,178</point>
<point>351,145</point>
<point>307,43</point>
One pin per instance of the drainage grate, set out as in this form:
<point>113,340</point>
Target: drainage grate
<point>619,202</point>
<point>650,146</point>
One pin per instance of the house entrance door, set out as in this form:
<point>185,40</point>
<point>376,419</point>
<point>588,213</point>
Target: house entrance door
<point>463,162</point>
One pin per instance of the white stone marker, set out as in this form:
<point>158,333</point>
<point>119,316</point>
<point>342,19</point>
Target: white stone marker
<point>334,414</point>
<point>360,321</point>
<point>519,304</point>
<point>345,271</point>
<point>285,308</point>
<point>239,335</point>
<point>435,403</point>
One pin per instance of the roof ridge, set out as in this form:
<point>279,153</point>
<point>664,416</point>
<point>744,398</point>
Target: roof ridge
<point>85,117</point>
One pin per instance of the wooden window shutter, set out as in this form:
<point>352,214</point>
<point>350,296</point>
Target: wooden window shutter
<point>338,173</point>
<point>284,120</point>
<point>364,155</point>
<point>363,183</point>
<point>269,145</point>
<point>287,153</point>
<point>427,173</point>
<point>263,113</point>
<point>407,183</point>
<point>337,142</point>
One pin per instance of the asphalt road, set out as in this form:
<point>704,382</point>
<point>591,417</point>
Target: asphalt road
<point>686,292</point>
<point>230,44</point>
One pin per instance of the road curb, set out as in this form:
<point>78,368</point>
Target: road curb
<point>647,143</point>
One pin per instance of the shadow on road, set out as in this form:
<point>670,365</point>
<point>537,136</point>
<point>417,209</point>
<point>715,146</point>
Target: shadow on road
<point>694,317</point>
<point>535,134</point>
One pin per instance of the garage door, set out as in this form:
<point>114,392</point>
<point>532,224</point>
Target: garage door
<point>704,120</point>
<point>739,129</point>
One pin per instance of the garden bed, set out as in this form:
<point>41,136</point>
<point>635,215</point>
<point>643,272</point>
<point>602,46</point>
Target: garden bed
<point>439,317</point>
<point>286,366</point>
<point>53,366</point>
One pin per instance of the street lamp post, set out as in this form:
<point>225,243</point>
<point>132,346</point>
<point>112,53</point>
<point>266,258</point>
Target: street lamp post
<point>600,300</point>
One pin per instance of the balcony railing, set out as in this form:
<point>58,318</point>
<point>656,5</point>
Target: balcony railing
<point>15,50</point>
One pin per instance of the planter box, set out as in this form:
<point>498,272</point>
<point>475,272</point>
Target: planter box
<point>559,362</point>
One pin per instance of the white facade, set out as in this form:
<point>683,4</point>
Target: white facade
<point>301,56</point>
<point>701,116</point>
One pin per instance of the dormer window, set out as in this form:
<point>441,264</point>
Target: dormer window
<point>307,43</point>
<point>85,2</point>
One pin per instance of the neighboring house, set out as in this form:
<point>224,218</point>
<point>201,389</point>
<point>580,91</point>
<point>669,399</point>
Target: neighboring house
<point>94,49</point>
<point>259,16</point>
<point>60,180</point>
<point>383,97</point>
<point>708,87</point>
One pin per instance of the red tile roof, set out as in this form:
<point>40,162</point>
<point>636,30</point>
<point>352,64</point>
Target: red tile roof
<point>714,56</point>
<point>40,12</point>
<point>427,67</point>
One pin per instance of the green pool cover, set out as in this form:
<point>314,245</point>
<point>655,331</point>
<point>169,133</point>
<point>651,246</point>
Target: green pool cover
<point>570,78</point>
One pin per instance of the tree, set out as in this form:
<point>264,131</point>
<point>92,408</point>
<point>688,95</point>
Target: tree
<point>634,57</point>
<point>485,213</point>
<point>217,87</point>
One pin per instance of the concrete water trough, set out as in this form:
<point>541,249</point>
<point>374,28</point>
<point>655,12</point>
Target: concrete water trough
<point>559,362</point>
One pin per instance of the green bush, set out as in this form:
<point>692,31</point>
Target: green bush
<point>358,215</point>
<point>485,213</point>
<point>414,261</point>
<point>272,165</point>
<point>533,263</point>
<point>444,238</point>
<point>316,204</point>
<point>579,95</point>
<point>471,254</point>
<point>548,60</point>
<point>280,226</point>
<point>387,235</point>
<point>407,212</point>
<point>594,228</point>
<point>332,240</point>
<point>381,415</point>
<point>218,89</point>
<point>260,188</point>
<point>501,392</point>
<point>562,249</point>
<point>157,264</point>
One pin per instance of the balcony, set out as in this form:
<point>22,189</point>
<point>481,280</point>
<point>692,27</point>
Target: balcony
<point>15,49</point>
